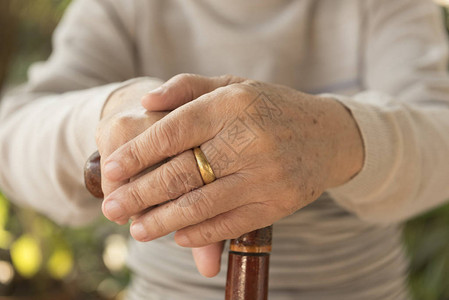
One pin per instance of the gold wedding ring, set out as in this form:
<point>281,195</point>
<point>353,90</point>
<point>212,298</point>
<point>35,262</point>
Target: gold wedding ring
<point>207,174</point>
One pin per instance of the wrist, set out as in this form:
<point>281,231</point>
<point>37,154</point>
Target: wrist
<point>348,149</point>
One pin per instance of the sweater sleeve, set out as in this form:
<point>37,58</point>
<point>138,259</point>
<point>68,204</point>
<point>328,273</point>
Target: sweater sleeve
<point>47,127</point>
<point>403,116</point>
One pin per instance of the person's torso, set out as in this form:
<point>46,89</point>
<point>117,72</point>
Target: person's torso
<point>322,251</point>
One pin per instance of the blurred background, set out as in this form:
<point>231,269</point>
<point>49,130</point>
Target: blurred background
<point>40,260</point>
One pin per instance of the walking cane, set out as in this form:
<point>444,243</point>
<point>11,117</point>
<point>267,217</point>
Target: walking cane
<point>249,255</point>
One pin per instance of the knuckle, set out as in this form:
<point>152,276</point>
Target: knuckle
<point>226,230</point>
<point>158,225</point>
<point>187,215</point>
<point>136,155</point>
<point>242,89</point>
<point>228,79</point>
<point>120,123</point>
<point>254,85</point>
<point>243,92</point>
<point>114,130</point>
<point>175,179</point>
<point>176,167</point>
<point>201,204</point>
<point>170,181</point>
<point>187,80</point>
<point>194,207</point>
<point>163,138</point>
<point>167,183</point>
<point>184,77</point>
<point>251,82</point>
<point>136,194</point>
<point>187,77</point>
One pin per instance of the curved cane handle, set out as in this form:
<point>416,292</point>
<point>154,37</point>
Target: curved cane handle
<point>249,255</point>
<point>92,175</point>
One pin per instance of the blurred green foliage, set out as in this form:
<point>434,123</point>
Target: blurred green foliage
<point>427,241</point>
<point>51,262</point>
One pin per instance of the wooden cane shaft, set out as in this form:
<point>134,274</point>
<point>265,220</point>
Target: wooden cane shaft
<point>247,277</point>
<point>248,264</point>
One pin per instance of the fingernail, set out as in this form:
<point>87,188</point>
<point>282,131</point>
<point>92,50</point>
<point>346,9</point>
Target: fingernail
<point>113,170</point>
<point>139,232</point>
<point>112,209</point>
<point>156,90</point>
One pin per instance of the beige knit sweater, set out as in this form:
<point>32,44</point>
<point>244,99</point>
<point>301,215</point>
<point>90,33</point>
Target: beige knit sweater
<point>385,60</point>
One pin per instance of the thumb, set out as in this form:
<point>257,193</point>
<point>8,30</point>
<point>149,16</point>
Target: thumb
<point>184,88</point>
<point>208,258</point>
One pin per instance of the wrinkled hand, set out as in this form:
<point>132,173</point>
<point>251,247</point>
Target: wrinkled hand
<point>272,148</point>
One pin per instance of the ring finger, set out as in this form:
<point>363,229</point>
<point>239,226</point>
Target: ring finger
<point>176,177</point>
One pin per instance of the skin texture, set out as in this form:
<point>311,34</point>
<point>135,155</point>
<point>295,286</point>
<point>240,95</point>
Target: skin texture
<point>273,149</point>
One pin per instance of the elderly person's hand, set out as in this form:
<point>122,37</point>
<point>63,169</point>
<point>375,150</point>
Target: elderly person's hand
<point>273,150</point>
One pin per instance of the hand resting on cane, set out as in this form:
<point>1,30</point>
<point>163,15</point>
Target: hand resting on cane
<point>264,142</point>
